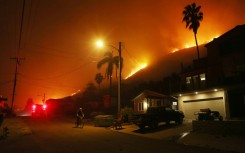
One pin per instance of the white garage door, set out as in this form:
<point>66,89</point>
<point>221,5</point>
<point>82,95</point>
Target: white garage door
<point>192,106</point>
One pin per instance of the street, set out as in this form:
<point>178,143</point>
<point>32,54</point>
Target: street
<point>60,136</point>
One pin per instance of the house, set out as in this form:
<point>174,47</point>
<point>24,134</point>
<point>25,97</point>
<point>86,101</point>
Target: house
<point>149,99</point>
<point>216,81</point>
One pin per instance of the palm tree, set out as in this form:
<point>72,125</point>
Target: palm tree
<point>110,60</point>
<point>98,78</point>
<point>192,18</point>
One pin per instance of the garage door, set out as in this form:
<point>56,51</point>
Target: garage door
<point>192,106</point>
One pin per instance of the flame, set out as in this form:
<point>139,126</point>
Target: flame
<point>189,45</point>
<point>74,93</point>
<point>136,70</point>
<point>175,50</point>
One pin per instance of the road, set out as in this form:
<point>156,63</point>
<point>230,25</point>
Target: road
<point>60,136</point>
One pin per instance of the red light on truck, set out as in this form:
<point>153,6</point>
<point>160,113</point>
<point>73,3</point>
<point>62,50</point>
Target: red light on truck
<point>33,108</point>
<point>44,107</point>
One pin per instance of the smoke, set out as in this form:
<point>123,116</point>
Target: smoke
<point>148,29</point>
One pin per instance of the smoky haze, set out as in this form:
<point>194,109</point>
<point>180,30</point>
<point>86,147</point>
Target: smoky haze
<point>58,36</point>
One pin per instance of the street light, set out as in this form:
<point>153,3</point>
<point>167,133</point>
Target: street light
<point>119,49</point>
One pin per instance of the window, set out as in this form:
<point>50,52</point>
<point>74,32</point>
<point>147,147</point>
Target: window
<point>192,82</point>
<point>188,83</point>
<point>141,106</point>
<point>203,80</point>
<point>188,80</point>
<point>150,104</point>
<point>202,77</point>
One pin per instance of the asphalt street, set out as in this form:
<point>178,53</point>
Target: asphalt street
<point>178,134</point>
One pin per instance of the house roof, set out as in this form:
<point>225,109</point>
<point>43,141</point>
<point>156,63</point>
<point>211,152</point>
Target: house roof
<point>238,30</point>
<point>150,94</point>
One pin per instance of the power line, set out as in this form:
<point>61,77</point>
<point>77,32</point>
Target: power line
<point>21,25</point>
<point>133,59</point>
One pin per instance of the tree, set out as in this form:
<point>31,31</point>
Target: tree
<point>90,93</point>
<point>110,60</point>
<point>98,78</point>
<point>192,18</point>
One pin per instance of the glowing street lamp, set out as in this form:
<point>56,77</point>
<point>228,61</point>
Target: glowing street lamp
<point>119,49</point>
<point>99,43</point>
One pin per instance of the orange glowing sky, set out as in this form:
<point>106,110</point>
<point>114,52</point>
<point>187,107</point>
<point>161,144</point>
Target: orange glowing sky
<point>58,39</point>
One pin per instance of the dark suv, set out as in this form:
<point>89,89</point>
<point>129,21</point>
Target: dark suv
<point>155,115</point>
<point>39,110</point>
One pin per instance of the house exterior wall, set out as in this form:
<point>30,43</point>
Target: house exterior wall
<point>147,102</point>
<point>225,68</point>
<point>191,103</point>
<point>137,102</point>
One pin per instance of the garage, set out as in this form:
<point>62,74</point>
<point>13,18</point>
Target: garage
<point>214,99</point>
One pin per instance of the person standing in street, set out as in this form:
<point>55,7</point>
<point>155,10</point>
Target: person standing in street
<point>80,116</point>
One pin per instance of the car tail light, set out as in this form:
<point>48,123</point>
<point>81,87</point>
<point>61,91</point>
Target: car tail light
<point>33,108</point>
<point>44,107</point>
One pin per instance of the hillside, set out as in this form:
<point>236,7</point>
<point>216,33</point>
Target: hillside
<point>169,64</point>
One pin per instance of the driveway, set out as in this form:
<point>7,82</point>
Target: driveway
<point>163,132</point>
<point>183,134</point>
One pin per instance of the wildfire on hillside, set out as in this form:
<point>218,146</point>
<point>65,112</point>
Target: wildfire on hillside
<point>136,70</point>
<point>189,45</point>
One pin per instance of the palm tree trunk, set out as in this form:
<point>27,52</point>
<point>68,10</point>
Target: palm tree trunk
<point>198,57</point>
<point>110,84</point>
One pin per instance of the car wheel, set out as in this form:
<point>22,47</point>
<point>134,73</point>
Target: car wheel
<point>179,121</point>
<point>154,125</point>
<point>142,126</point>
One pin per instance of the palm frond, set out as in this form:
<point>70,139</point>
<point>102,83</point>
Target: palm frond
<point>192,17</point>
<point>102,62</point>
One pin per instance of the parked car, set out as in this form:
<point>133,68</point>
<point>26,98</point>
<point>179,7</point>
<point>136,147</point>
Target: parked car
<point>207,114</point>
<point>155,115</point>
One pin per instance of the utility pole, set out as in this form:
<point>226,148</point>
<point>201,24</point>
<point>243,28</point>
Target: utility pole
<point>120,77</point>
<point>44,98</point>
<point>17,60</point>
